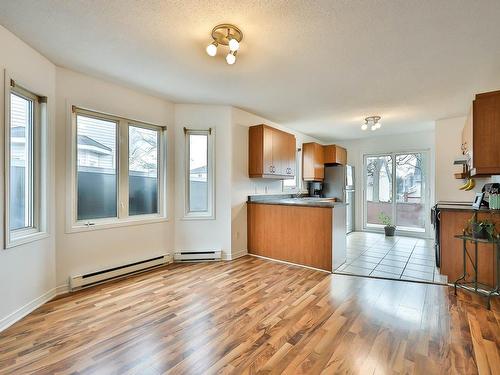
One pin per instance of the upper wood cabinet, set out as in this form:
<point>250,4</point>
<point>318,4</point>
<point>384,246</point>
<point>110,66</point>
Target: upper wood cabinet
<point>313,162</point>
<point>315,156</point>
<point>335,155</point>
<point>481,135</point>
<point>271,153</point>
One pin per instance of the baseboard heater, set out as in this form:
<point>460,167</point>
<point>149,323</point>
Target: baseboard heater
<point>197,256</point>
<point>97,277</point>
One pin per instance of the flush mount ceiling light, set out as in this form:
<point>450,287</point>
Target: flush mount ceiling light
<point>373,122</point>
<point>226,35</point>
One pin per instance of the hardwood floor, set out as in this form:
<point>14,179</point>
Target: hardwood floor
<point>255,316</point>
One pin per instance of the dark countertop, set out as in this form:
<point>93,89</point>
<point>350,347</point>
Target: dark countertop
<point>290,200</point>
<point>462,207</point>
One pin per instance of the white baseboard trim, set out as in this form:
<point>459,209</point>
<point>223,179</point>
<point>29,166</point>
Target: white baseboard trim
<point>26,309</point>
<point>62,289</point>
<point>239,254</point>
<point>290,263</point>
<point>235,255</point>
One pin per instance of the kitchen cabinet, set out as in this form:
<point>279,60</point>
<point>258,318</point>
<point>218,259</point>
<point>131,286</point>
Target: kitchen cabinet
<point>300,235</point>
<point>313,162</point>
<point>481,135</point>
<point>271,153</point>
<point>453,222</point>
<point>335,155</point>
<point>315,156</point>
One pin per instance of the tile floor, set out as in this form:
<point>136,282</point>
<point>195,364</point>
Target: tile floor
<point>405,258</point>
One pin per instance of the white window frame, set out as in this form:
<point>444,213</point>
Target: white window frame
<point>210,213</point>
<point>298,175</point>
<point>122,169</point>
<point>38,209</point>
<point>379,228</point>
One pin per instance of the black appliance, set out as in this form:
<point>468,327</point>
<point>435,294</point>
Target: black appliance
<point>435,224</point>
<point>315,188</point>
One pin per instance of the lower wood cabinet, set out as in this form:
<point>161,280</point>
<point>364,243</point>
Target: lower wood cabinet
<point>452,223</point>
<point>301,235</point>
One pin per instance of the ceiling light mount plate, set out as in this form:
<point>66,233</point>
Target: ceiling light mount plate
<point>224,32</point>
<point>373,119</point>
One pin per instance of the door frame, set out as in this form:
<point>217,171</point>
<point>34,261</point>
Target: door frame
<point>426,155</point>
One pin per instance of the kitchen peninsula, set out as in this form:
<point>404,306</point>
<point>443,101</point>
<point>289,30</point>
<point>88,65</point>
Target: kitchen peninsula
<point>305,231</point>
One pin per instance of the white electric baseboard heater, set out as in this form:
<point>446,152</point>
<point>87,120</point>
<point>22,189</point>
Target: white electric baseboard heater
<point>185,256</point>
<point>96,277</point>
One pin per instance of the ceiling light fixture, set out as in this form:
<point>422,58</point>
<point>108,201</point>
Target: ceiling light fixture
<point>373,122</point>
<point>226,35</point>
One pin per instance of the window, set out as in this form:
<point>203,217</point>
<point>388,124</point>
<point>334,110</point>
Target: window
<point>23,150</point>
<point>293,184</point>
<point>120,169</point>
<point>143,170</point>
<point>199,173</point>
<point>96,167</point>
<point>396,185</point>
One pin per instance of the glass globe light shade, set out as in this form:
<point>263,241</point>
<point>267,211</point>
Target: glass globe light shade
<point>230,58</point>
<point>234,45</point>
<point>212,49</point>
<point>364,126</point>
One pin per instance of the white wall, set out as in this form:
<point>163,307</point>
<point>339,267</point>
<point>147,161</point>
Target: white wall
<point>448,134</point>
<point>228,231</point>
<point>98,248</point>
<point>394,143</point>
<point>204,234</point>
<point>27,272</point>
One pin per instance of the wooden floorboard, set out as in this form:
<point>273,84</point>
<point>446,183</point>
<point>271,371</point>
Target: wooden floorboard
<point>255,316</point>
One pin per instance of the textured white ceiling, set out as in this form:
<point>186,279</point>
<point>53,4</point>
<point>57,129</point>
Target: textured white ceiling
<point>317,66</point>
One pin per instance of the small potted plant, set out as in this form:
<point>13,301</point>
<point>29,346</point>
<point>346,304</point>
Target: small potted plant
<point>481,229</point>
<point>388,227</point>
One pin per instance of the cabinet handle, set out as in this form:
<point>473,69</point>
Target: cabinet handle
<point>271,168</point>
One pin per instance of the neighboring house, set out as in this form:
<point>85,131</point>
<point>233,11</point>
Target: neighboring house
<point>198,174</point>
<point>94,154</point>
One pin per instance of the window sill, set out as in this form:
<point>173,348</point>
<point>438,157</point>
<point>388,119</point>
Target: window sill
<point>197,217</point>
<point>25,239</point>
<point>110,224</point>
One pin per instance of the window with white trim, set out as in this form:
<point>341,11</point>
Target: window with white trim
<point>119,170</point>
<point>25,120</point>
<point>294,184</point>
<point>199,202</point>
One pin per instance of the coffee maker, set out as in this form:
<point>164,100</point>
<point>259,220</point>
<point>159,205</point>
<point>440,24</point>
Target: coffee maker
<point>315,189</point>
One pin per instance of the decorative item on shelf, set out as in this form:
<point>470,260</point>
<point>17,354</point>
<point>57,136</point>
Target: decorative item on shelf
<point>481,229</point>
<point>226,35</point>
<point>373,122</point>
<point>463,161</point>
<point>387,222</point>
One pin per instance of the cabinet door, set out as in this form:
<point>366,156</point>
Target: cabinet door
<point>312,162</point>
<point>486,132</point>
<point>341,155</point>
<point>335,155</point>
<point>291,156</point>
<point>267,159</point>
<point>279,152</point>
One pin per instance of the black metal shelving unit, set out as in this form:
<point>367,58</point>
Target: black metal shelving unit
<point>474,286</point>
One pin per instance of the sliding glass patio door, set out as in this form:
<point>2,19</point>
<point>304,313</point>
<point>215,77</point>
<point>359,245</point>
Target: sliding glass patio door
<point>396,186</point>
